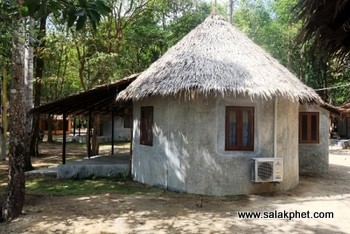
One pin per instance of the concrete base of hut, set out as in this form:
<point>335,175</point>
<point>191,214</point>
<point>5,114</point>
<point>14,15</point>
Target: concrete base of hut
<point>96,167</point>
<point>71,171</point>
<point>102,166</point>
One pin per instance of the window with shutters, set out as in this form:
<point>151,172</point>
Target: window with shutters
<point>239,128</point>
<point>309,127</point>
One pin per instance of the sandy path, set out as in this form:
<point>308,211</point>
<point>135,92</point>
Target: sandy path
<point>167,212</point>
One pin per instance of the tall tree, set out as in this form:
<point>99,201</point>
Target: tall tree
<point>230,6</point>
<point>28,90</point>
<point>5,58</point>
<point>39,71</point>
<point>14,200</point>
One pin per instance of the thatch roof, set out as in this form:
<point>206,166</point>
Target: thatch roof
<point>337,111</point>
<point>215,57</point>
<point>327,25</point>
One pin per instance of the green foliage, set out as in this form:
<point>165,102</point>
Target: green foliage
<point>270,24</point>
<point>6,24</point>
<point>154,32</point>
<point>188,20</point>
<point>132,35</point>
<point>60,72</point>
<point>128,43</point>
<point>72,12</point>
<point>142,43</point>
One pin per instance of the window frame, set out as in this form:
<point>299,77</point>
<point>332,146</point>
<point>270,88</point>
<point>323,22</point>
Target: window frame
<point>144,140</point>
<point>239,135</point>
<point>308,126</point>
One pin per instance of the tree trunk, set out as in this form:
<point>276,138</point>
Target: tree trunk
<point>230,11</point>
<point>39,70</point>
<point>28,93</point>
<point>3,113</point>
<point>14,200</point>
<point>95,134</point>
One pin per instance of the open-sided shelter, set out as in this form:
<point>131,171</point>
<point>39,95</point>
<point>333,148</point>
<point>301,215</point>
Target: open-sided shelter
<point>98,100</point>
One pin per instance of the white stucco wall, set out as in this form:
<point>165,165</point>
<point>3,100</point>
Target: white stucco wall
<point>313,158</point>
<point>188,146</point>
<point>120,133</point>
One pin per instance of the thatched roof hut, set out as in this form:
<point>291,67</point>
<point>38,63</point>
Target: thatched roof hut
<point>326,24</point>
<point>217,58</point>
<point>214,105</point>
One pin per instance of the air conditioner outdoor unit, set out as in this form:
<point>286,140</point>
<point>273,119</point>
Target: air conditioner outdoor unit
<point>267,169</point>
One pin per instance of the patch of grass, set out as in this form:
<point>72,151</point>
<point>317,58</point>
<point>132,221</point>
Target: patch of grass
<point>54,187</point>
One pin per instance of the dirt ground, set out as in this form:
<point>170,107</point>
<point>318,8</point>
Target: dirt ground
<point>167,212</point>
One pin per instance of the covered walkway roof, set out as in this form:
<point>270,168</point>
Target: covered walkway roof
<point>100,98</point>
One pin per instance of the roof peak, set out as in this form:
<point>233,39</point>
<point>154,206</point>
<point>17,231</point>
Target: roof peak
<point>217,57</point>
<point>216,16</point>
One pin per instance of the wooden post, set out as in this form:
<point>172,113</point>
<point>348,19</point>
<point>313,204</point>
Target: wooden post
<point>131,139</point>
<point>64,139</point>
<point>74,127</point>
<point>79,127</point>
<point>89,135</point>
<point>112,137</point>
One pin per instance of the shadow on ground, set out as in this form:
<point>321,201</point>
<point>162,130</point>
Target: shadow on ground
<point>167,212</point>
